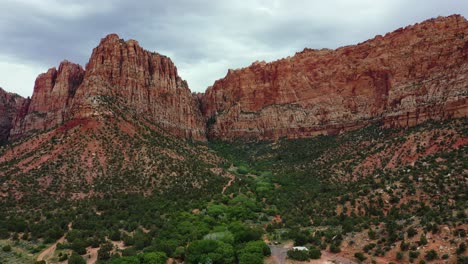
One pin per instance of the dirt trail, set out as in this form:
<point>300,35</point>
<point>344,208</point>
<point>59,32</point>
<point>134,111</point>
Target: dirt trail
<point>93,253</point>
<point>232,178</point>
<point>50,250</point>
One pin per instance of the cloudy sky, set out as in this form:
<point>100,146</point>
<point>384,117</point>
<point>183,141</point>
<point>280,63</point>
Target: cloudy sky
<point>204,38</point>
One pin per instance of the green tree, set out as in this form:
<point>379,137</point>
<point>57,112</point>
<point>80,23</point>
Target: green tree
<point>431,255</point>
<point>76,259</point>
<point>360,256</point>
<point>105,251</point>
<point>422,240</point>
<point>154,258</point>
<point>126,260</point>
<point>250,258</point>
<point>301,255</point>
<point>201,251</point>
<point>314,253</point>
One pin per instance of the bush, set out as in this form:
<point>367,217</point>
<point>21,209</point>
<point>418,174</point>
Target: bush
<point>242,169</point>
<point>105,251</point>
<point>462,259</point>
<point>201,251</point>
<point>335,248</point>
<point>314,253</point>
<point>399,255</point>
<point>414,254</point>
<point>411,232</point>
<point>153,258</point>
<point>76,259</point>
<point>300,255</point>
<point>423,240</point>
<point>360,256</point>
<point>6,248</point>
<point>431,255</point>
<point>128,252</point>
<point>461,248</point>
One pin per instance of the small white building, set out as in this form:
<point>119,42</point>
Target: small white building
<point>301,248</point>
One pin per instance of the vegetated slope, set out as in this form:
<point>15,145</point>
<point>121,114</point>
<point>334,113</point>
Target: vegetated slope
<point>404,78</point>
<point>331,191</point>
<point>103,155</point>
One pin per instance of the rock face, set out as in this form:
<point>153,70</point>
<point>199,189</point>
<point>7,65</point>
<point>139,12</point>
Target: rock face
<point>50,103</point>
<point>143,83</point>
<point>10,105</point>
<point>403,78</point>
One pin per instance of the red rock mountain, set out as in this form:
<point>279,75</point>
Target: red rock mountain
<point>10,105</point>
<point>144,83</point>
<point>403,78</point>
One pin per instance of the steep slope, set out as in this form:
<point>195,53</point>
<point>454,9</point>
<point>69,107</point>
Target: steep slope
<point>10,105</point>
<point>105,155</point>
<point>146,83</point>
<point>403,78</point>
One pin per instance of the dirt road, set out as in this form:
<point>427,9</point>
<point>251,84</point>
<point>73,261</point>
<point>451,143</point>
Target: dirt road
<point>50,250</point>
<point>279,254</point>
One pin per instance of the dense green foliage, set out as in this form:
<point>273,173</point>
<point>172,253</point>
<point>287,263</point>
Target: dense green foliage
<point>311,191</point>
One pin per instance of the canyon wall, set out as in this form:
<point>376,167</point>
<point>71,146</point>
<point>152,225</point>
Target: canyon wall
<point>401,79</point>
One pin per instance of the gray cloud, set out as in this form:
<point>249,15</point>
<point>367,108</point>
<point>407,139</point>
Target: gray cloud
<point>204,38</point>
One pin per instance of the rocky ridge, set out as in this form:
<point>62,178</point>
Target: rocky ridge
<point>401,79</point>
<point>143,82</point>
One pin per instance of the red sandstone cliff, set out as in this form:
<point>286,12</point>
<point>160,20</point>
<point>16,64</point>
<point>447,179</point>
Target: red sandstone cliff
<point>143,83</point>
<point>403,78</point>
<point>10,105</point>
<point>50,103</point>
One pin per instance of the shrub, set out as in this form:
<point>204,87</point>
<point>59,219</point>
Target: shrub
<point>154,258</point>
<point>6,248</point>
<point>314,253</point>
<point>414,254</point>
<point>242,169</point>
<point>423,240</point>
<point>461,248</point>
<point>335,248</point>
<point>76,259</point>
<point>360,256</point>
<point>411,232</point>
<point>399,255</point>
<point>431,255</point>
<point>300,255</point>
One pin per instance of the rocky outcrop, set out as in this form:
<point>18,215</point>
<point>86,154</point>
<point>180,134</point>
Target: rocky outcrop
<point>143,83</point>
<point>10,105</point>
<point>146,83</point>
<point>401,79</point>
<point>51,99</point>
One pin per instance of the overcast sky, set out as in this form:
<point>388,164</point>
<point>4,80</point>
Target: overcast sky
<point>204,38</point>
